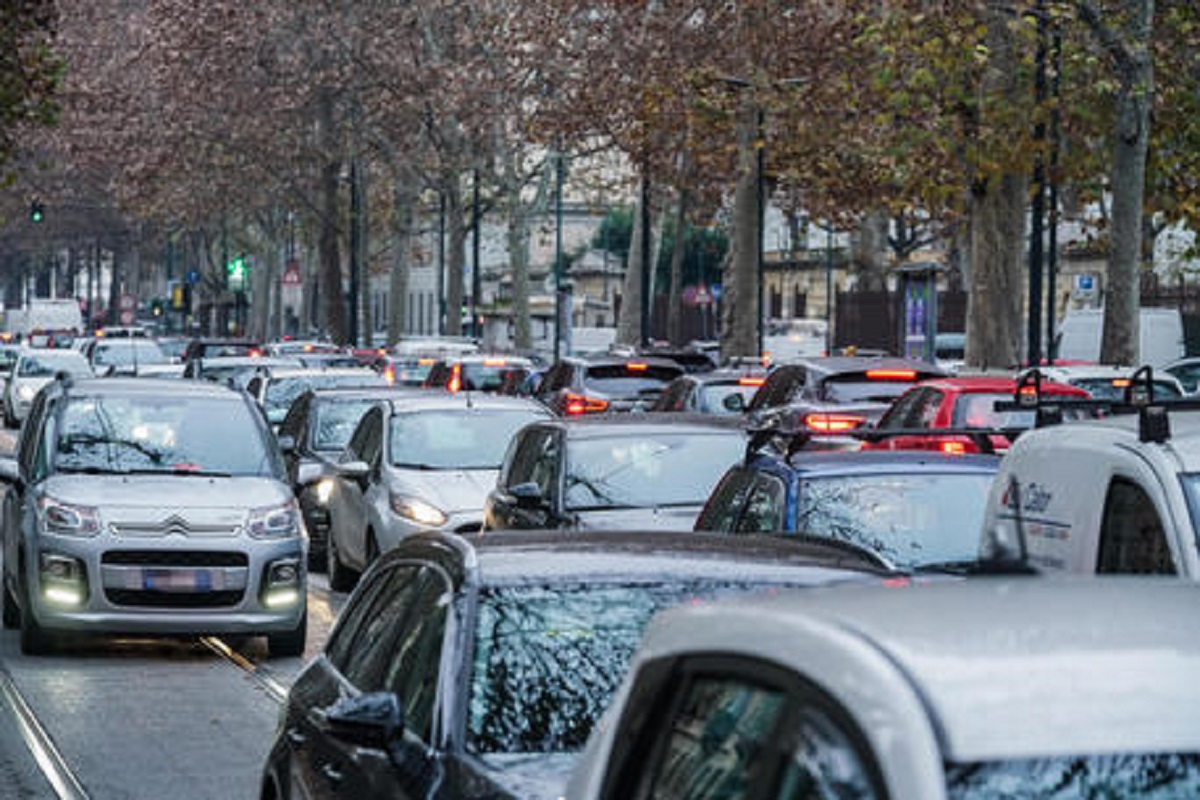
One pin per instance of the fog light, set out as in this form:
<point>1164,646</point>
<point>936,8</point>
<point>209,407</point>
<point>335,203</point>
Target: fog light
<point>280,598</point>
<point>284,573</point>
<point>61,568</point>
<point>63,595</point>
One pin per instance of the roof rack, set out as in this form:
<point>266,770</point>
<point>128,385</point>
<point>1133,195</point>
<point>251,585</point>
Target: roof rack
<point>792,440</point>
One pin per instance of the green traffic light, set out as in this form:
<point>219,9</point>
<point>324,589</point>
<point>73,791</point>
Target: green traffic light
<point>36,212</point>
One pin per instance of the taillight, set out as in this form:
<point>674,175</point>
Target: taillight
<point>389,375</point>
<point>751,381</point>
<point>455,382</point>
<point>495,362</point>
<point>1121,383</point>
<point>891,375</point>
<point>637,366</point>
<point>954,448</point>
<point>255,352</point>
<point>578,404</point>
<point>833,423</point>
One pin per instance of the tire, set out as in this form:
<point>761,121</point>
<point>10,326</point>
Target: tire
<point>341,577</point>
<point>12,611</point>
<point>317,558</point>
<point>289,644</point>
<point>35,640</point>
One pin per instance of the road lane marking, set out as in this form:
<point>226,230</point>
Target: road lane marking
<point>39,743</point>
<point>276,690</point>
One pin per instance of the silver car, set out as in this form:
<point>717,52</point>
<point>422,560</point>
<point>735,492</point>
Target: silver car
<point>150,507</point>
<point>34,368</point>
<point>419,462</point>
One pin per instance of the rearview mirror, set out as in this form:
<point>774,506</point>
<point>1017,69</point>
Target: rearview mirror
<point>368,720</point>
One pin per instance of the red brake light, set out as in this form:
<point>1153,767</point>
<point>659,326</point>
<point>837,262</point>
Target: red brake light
<point>751,381</point>
<point>455,382</point>
<point>954,448</point>
<point>255,352</point>
<point>637,366</point>
<point>832,423</point>
<point>891,374</point>
<point>389,375</point>
<point>308,348</point>
<point>1121,383</point>
<point>578,404</point>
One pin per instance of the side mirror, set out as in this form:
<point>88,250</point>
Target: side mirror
<point>734,402</point>
<point>368,720</point>
<point>309,472</point>
<point>354,470</point>
<point>528,495</point>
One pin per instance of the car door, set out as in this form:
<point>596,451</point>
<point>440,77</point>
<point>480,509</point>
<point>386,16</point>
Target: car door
<point>348,503</point>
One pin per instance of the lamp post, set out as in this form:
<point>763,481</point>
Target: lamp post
<point>829,291</point>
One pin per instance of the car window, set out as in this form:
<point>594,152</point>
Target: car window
<point>645,469</point>
<point>334,421</point>
<point>1132,538</point>
<point>365,661</point>
<point>535,460</point>
<point>716,741</point>
<point>360,446</point>
<point>358,613</point>
<point>176,432</point>
<point>824,763</point>
<point>1188,375</point>
<point>767,506</point>
<point>910,519</point>
<point>455,439</point>
<point>414,664</point>
<point>1153,776</point>
<point>725,504</point>
<point>926,408</point>
<point>293,422</point>
<point>900,411</point>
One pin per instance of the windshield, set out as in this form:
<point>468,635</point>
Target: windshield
<point>1120,777</point>
<point>645,469</point>
<point>548,658</point>
<point>131,351</point>
<point>335,422</point>
<point>456,439</point>
<point>210,435</point>
<point>281,392</point>
<point>46,365</point>
<point>910,520</point>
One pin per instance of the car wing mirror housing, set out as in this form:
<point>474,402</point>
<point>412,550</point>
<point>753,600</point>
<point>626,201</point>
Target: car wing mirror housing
<point>528,495</point>
<point>372,720</point>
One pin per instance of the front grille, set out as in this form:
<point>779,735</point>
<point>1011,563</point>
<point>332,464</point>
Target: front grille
<point>147,530</point>
<point>148,599</point>
<point>175,558</point>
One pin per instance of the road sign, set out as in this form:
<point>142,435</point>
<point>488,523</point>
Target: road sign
<point>291,274</point>
<point>127,316</point>
<point>126,302</point>
<point>193,276</point>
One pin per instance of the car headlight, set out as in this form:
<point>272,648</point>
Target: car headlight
<point>324,490</point>
<point>25,392</point>
<point>274,522</point>
<point>417,510</point>
<point>64,519</point>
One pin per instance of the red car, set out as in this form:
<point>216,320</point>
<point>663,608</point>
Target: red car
<point>956,403</point>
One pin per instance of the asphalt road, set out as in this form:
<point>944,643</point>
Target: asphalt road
<point>126,719</point>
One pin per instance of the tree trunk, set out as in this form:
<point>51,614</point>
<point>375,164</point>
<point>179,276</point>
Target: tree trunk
<point>456,255</point>
<point>868,251</point>
<point>332,296</point>
<point>404,197</point>
<point>629,321</point>
<point>675,296</point>
<point>1120,344</point>
<point>739,299</point>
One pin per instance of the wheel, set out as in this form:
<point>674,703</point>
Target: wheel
<point>12,611</point>
<point>289,644</point>
<point>317,557</point>
<point>341,577</point>
<point>35,640</point>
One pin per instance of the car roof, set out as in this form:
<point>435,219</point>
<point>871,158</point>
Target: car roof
<point>881,462</point>
<point>1184,440</point>
<point>304,372</point>
<point>515,557</point>
<point>608,359</point>
<point>850,364</point>
<point>602,425</point>
<point>1005,668</point>
<point>150,386</point>
<point>432,400</point>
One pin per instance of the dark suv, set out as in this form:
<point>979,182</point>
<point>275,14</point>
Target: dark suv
<point>597,384</point>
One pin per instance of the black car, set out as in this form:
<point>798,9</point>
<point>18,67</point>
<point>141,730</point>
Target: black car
<point>722,392</point>
<point>313,435</point>
<point>835,393</point>
<point>579,386</point>
<point>476,666</point>
<point>620,471</point>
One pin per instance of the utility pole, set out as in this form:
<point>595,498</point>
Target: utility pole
<point>647,267</point>
<point>562,311</point>
<point>476,270</point>
<point>441,276</point>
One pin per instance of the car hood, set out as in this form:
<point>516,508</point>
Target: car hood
<point>148,502</point>
<point>453,491</point>
<point>531,776</point>
<point>662,518</point>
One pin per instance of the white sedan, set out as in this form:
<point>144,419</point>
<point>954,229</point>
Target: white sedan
<point>988,689</point>
<point>35,367</point>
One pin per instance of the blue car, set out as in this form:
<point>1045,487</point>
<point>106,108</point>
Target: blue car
<point>915,510</point>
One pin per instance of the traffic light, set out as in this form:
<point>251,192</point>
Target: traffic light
<point>37,212</point>
<point>237,273</point>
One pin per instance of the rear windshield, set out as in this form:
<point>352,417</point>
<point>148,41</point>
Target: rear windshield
<point>1145,777</point>
<point>857,387</point>
<point>911,520</point>
<point>618,380</point>
<point>1104,388</point>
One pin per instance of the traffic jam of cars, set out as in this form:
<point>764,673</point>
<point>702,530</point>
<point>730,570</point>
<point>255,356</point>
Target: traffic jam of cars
<point>625,574</point>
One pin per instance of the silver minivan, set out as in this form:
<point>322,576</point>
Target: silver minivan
<point>157,507</point>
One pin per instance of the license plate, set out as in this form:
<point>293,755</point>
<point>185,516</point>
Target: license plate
<point>176,580</point>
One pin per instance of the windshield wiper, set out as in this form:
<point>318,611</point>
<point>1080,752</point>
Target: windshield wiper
<point>422,467</point>
<point>82,470</point>
<point>182,469</point>
<point>68,444</point>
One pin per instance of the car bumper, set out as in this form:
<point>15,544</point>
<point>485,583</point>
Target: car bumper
<point>163,587</point>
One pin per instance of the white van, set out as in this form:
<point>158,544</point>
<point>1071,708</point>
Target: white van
<point>1160,335</point>
<point>1116,495</point>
